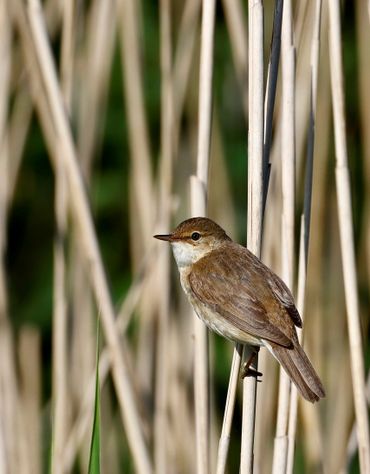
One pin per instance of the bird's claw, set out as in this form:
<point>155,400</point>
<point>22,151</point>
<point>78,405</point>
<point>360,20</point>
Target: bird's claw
<point>250,372</point>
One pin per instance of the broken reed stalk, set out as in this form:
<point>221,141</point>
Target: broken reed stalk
<point>305,219</point>
<point>255,205</point>
<point>198,188</point>
<point>84,226</point>
<point>346,236</point>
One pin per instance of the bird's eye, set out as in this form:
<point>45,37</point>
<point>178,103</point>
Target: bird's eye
<point>195,236</point>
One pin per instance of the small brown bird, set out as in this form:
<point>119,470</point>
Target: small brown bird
<point>240,298</point>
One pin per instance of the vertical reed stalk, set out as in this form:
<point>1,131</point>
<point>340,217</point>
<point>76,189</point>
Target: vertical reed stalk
<point>255,204</point>
<point>272,75</point>
<point>12,439</point>
<point>346,236</point>
<point>60,350</point>
<point>29,350</point>
<point>85,228</point>
<point>161,426</point>
<point>83,419</point>
<point>199,186</point>
<point>269,108</point>
<point>235,22</point>
<point>306,218</point>
<point>288,197</point>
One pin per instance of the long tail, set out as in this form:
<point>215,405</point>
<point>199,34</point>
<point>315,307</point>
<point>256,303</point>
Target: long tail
<point>300,370</point>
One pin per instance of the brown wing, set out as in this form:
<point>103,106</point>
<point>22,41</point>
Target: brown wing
<point>283,294</point>
<point>233,287</point>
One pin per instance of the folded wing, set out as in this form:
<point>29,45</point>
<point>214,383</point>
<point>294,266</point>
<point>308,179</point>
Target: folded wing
<point>233,287</point>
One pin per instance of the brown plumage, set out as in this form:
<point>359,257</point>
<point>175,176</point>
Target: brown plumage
<point>239,297</point>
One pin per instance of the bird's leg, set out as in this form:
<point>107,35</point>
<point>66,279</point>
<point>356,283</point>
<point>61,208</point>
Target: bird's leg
<point>247,370</point>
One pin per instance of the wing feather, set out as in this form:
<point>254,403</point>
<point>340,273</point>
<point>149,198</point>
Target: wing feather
<point>232,292</point>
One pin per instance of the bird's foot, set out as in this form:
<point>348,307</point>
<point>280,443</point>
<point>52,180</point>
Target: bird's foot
<point>247,370</point>
<point>250,372</point>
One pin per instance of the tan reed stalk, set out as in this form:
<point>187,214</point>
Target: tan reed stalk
<point>101,28</point>
<point>352,445</point>
<point>82,216</point>
<point>60,371</point>
<point>18,125</point>
<point>302,274</point>
<point>269,108</point>
<point>82,422</point>
<point>346,236</point>
<point>363,37</point>
<point>305,219</point>
<point>272,74</point>
<point>255,205</point>
<point>236,25</point>
<point>320,318</point>
<point>287,226</point>
<point>183,56</point>
<point>12,437</point>
<point>95,57</point>
<point>60,393</point>
<point>223,446</point>
<point>142,199</point>
<point>198,188</point>
<point>137,126</point>
<point>161,425</point>
<point>29,354</point>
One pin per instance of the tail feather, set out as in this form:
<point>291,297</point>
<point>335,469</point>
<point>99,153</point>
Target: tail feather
<point>300,370</point>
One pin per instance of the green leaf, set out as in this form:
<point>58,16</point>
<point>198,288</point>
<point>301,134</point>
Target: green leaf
<point>94,461</point>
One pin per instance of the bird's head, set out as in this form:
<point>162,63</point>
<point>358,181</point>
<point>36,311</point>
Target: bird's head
<point>193,239</point>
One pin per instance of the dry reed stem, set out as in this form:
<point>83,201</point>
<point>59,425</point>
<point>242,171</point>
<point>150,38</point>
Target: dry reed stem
<point>363,37</point>
<point>272,75</point>
<point>141,191</point>
<point>223,447</point>
<point>137,126</point>
<point>83,419</point>
<point>352,446</point>
<point>161,425</point>
<point>199,185</point>
<point>293,408</point>
<point>29,350</point>
<point>183,57</point>
<point>59,335</point>
<point>12,440</point>
<point>305,219</point>
<point>201,355</point>
<point>236,25</point>
<point>346,236</point>
<point>60,370</point>
<point>85,227</point>
<point>255,205</point>
<point>97,61</point>
<point>269,108</point>
<point>288,203</point>
<point>18,126</point>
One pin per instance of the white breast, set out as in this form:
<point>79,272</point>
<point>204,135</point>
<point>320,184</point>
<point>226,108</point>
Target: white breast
<point>183,254</point>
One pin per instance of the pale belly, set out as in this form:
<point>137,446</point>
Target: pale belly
<point>217,323</point>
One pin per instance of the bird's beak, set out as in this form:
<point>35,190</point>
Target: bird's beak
<point>165,237</point>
